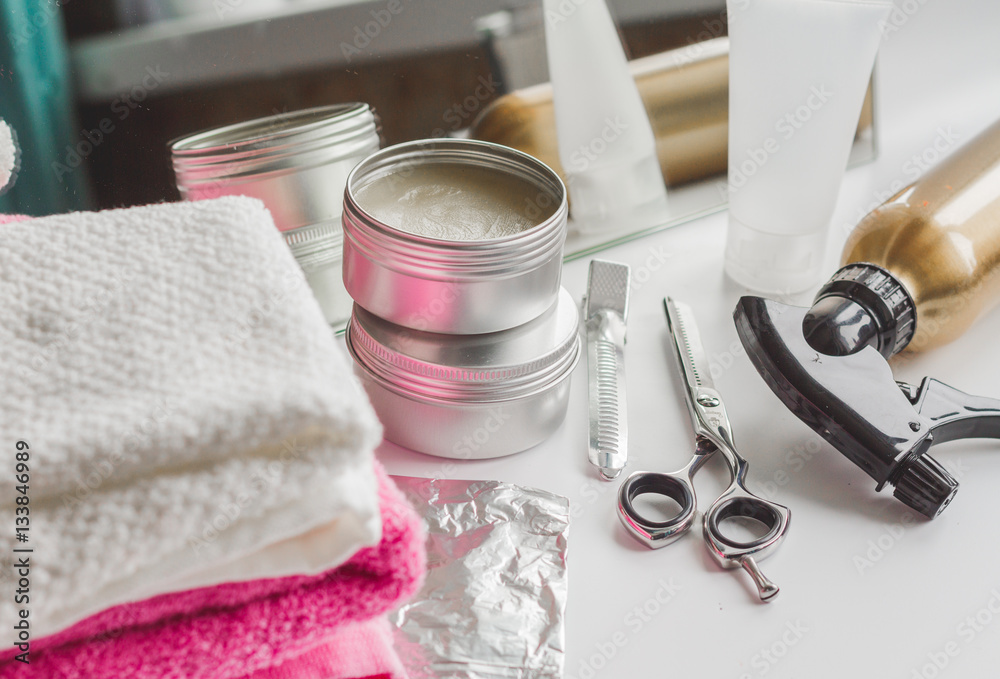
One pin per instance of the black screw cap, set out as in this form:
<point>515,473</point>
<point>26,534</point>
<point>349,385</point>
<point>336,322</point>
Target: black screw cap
<point>872,306</point>
<point>926,486</point>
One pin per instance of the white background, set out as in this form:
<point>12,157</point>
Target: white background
<point>865,589</point>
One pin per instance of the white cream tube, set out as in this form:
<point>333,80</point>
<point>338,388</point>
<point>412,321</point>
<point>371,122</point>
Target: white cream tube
<point>798,71</point>
<point>606,144</point>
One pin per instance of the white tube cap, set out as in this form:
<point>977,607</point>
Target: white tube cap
<point>774,264</point>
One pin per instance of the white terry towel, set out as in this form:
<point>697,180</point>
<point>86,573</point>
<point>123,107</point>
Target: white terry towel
<point>9,156</point>
<point>189,414</point>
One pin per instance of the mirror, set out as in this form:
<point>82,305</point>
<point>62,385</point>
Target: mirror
<point>144,72</point>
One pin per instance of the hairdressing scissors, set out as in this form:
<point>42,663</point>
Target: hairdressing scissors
<point>712,433</point>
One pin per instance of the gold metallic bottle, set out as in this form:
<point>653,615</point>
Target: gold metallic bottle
<point>685,92</point>
<point>686,95</point>
<point>940,238</point>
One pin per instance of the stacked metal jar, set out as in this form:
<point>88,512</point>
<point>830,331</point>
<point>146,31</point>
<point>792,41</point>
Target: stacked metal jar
<point>461,333</point>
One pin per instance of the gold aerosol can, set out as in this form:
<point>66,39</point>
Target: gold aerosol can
<point>940,238</point>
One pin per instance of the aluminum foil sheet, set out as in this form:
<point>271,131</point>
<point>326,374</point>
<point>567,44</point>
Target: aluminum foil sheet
<point>493,605</point>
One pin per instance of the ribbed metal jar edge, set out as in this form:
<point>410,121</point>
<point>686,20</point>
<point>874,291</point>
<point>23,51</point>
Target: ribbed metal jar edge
<point>411,253</point>
<point>272,145</point>
<point>421,379</point>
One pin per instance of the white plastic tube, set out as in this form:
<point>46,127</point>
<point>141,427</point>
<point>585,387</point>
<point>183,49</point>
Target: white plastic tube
<point>606,145</point>
<point>798,71</point>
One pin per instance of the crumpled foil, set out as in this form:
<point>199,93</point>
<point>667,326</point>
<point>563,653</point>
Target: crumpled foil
<point>493,604</point>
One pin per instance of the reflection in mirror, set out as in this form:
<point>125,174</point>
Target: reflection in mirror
<point>144,72</point>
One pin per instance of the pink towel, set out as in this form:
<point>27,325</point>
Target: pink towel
<point>246,629</point>
<point>360,651</point>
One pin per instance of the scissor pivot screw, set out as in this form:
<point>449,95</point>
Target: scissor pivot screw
<point>708,401</point>
<point>915,426</point>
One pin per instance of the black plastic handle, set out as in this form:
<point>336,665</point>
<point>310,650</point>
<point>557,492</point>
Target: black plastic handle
<point>953,414</point>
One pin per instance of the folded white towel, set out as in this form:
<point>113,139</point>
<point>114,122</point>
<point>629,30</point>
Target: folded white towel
<point>8,155</point>
<point>188,411</point>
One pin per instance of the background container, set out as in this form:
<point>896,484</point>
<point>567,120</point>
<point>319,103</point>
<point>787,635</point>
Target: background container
<point>471,396</point>
<point>297,164</point>
<point>455,286</point>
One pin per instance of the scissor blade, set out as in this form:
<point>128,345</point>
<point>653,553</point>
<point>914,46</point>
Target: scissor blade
<point>687,341</point>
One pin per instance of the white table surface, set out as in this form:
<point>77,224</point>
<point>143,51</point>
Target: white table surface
<point>867,589</point>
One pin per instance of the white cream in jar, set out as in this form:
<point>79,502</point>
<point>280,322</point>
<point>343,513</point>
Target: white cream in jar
<point>452,201</point>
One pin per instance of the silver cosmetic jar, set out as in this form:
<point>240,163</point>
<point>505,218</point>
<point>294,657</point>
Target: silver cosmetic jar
<point>471,396</point>
<point>455,286</point>
<point>296,163</point>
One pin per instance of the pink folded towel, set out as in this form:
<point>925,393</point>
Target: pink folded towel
<point>360,651</point>
<point>261,629</point>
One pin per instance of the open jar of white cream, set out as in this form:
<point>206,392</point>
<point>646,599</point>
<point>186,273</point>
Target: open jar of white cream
<point>454,236</point>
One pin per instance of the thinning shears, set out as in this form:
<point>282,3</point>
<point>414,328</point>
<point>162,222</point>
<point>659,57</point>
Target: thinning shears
<point>712,433</point>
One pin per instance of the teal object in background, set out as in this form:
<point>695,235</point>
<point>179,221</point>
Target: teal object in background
<point>36,100</point>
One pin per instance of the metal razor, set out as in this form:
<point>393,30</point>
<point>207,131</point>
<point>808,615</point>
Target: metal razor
<point>605,310</point>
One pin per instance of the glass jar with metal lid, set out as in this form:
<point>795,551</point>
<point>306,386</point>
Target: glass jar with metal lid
<point>296,163</point>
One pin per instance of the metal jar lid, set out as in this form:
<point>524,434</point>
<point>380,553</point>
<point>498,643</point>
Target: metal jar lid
<point>498,366</point>
<point>297,162</point>
<point>422,255</point>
